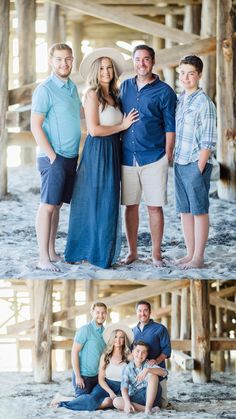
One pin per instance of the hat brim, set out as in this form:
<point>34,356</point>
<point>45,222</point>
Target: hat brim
<point>118,326</point>
<point>111,53</point>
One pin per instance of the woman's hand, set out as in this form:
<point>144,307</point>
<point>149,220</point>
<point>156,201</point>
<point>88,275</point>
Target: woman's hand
<point>129,119</point>
<point>112,395</point>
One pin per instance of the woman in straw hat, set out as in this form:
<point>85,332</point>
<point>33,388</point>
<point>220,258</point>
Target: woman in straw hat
<point>118,338</point>
<point>94,233</point>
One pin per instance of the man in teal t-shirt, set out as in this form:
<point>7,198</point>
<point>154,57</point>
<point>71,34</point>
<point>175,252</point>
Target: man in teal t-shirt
<point>55,124</point>
<point>87,349</point>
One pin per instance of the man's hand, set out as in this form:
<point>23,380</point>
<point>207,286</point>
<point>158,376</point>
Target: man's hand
<point>79,381</point>
<point>169,154</point>
<point>151,362</point>
<point>142,375</point>
<point>129,408</point>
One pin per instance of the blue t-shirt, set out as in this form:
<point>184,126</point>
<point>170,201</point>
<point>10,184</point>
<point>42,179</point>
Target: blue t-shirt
<point>145,141</point>
<point>157,337</point>
<point>90,336</point>
<point>59,102</point>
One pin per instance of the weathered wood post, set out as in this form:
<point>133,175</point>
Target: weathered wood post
<point>175,321</point>
<point>68,300</point>
<point>208,29</point>
<point>185,314</point>
<point>43,321</point>
<point>77,37</point>
<point>169,73</point>
<point>200,331</point>
<point>4,37</point>
<point>226,98</point>
<point>26,12</point>
<point>165,300</point>
<point>53,24</point>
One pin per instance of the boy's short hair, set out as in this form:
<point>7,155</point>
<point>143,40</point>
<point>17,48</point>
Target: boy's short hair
<point>193,60</point>
<point>147,48</point>
<point>140,343</point>
<point>98,304</point>
<point>144,302</point>
<point>59,47</point>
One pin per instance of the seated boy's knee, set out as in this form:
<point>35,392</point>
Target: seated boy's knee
<point>117,402</point>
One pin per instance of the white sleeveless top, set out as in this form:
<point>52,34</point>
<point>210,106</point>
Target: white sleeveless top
<point>110,115</point>
<point>114,371</point>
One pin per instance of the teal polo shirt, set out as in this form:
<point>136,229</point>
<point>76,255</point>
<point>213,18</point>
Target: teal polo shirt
<point>59,102</point>
<point>90,336</point>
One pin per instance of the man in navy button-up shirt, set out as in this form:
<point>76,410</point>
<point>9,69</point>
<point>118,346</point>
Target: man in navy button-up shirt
<point>157,337</point>
<point>147,147</point>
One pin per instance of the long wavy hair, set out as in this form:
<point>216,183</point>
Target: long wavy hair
<point>93,83</point>
<point>110,347</point>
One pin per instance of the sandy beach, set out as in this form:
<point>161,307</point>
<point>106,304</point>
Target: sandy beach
<point>21,398</point>
<point>18,245</point>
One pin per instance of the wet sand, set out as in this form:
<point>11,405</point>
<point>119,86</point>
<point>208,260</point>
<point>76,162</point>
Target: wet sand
<point>18,257</point>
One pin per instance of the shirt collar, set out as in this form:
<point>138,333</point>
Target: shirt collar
<point>157,79</point>
<point>61,83</point>
<point>150,321</point>
<point>96,327</point>
<point>192,95</point>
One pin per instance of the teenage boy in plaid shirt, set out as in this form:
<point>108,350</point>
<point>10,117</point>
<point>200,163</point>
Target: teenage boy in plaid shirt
<point>195,142</point>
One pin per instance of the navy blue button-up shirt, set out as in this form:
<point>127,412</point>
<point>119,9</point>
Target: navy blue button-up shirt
<point>157,337</point>
<point>145,141</point>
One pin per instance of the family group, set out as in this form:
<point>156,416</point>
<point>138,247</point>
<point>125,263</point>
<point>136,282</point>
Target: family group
<point>134,132</point>
<point>117,366</point>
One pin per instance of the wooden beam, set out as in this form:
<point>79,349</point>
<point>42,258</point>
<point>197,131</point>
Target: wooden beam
<point>124,298</point>
<point>185,361</point>
<point>62,331</point>
<point>21,138</point>
<point>225,292</point>
<point>127,20</point>
<point>19,327</point>
<point>147,10</point>
<point>22,94</point>
<point>144,2</point>
<point>223,344</point>
<point>220,302</point>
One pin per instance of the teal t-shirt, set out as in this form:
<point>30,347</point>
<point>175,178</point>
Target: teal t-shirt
<point>90,336</point>
<point>59,102</point>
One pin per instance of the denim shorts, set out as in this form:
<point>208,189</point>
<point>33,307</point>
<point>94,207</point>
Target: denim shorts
<point>57,179</point>
<point>140,396</point>
<point>192,188</point>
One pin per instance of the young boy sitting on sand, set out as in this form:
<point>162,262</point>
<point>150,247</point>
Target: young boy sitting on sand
<point>140,387</point>
<point>195,141</point>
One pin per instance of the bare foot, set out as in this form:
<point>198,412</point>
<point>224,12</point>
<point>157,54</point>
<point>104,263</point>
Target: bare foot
<point>156,409</point>
<point>158,263</point>
<point>129,259</point>
<point>48,266</point>
<point>183,260</point>
<point>59,398</point>
<point>197,264</point>
<point>55,257</point>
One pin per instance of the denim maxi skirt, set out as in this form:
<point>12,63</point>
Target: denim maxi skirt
<point>94,226</point>
<point>93,400</point>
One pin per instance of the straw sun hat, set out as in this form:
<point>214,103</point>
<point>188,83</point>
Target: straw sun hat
<point>111,53</point>
<point>118,326</point>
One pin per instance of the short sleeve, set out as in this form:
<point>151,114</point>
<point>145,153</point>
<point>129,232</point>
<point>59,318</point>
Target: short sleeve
<point>165,344</point>
<point>40,100</point>
<point>125,377</point>
<point>208,120</point>
<point>81,335</point>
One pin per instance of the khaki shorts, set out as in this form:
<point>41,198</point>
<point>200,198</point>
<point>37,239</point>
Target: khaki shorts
<point>151,180</point>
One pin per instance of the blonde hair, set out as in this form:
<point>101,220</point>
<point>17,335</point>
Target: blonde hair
<point>93,83</point>
<point>110,347</point>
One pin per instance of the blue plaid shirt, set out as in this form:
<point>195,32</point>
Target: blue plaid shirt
<point>129,375</point>
<point>195,126</point>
